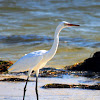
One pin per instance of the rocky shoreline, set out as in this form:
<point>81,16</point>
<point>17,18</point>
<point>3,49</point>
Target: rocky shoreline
<point>91,64</point>
<point>90,68</point>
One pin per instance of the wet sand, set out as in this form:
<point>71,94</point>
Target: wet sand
<point>14,90</point>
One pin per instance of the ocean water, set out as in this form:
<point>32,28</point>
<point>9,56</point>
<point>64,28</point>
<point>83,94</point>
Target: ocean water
<point>29,25</point>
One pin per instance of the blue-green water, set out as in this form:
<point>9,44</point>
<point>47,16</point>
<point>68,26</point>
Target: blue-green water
<point>29,25</point>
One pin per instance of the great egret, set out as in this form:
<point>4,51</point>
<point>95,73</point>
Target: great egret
<point>38,59</point>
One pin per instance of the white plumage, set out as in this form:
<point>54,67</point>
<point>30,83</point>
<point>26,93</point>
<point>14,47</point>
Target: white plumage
<point>28,62</point>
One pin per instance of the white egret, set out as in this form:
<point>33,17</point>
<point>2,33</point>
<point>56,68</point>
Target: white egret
<point>38,59</point>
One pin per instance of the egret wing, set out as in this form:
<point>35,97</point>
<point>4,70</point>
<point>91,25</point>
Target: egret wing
<point>26,63</point>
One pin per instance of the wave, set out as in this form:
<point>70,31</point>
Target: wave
<point>39,39</point>
<point>23,39</point>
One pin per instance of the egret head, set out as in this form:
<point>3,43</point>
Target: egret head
<point>67,24</point>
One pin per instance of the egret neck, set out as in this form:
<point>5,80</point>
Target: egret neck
<point>54,47</point>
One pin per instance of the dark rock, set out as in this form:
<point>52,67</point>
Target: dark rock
<point>51,72</point>
<point>54,85</point>
<point>90,64</point>
<point>4,65</point>
<point>15,80</point>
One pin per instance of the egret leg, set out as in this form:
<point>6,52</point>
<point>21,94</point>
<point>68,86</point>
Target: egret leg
<point>36,89</point>
<point>25,88</point>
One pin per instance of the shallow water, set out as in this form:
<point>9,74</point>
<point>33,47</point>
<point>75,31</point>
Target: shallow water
<point>14,90</point>
<point>29,25</point>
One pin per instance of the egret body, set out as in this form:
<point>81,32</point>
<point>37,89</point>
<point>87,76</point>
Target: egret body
<point>38,59</point>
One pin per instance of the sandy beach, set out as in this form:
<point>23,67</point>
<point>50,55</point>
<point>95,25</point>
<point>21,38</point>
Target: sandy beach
<point>14,90</point>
